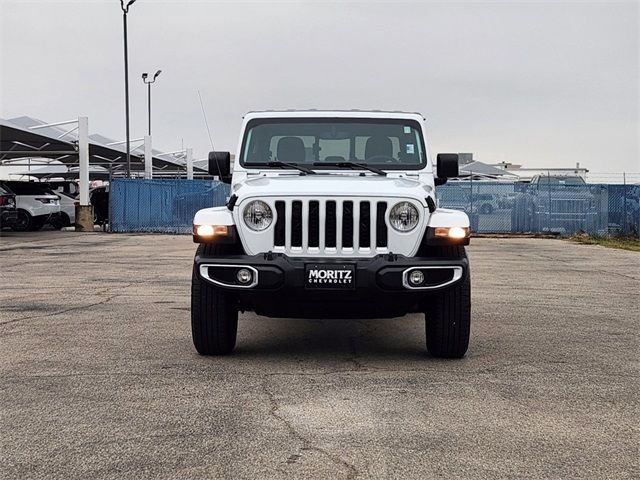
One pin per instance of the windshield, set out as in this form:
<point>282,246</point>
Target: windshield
<point>324,142</point>
<point>546,180</point>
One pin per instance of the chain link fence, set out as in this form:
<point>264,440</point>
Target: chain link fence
<point>501,207</point>
<point>168,206</point>
<point>164,206</point>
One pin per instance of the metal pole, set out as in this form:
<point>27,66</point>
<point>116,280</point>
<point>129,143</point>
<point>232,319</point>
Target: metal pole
<point>471,193</point>
<point>148,158</point>
<point>83,154</point>
<point>624,186</point>
<point>149,105</point>
<point>549,195</point>
<point>84,211</point>
<point>126,91</point>
<point>109,197</point>
<point>189,163</point>
<point>148,83</point>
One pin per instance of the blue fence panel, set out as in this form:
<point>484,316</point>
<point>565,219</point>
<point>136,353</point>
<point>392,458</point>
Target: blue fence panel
<point>493,207</point>
<point>500,207</point>
<point>165,206</point>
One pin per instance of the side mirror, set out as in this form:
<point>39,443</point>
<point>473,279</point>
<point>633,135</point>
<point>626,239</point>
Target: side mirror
<point>447,167</point>
<point>220,165</point>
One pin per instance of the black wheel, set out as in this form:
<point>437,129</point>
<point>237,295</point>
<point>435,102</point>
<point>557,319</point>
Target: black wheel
<point>23,223</point>
<point>214,312</point>
<point>62,221</point>
<point>448,313</point>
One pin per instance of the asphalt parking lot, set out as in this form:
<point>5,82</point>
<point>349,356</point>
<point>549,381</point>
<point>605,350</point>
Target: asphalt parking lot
<point>99,378</point>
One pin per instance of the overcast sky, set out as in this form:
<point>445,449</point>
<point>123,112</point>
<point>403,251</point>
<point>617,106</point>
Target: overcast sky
<point>538,83</point>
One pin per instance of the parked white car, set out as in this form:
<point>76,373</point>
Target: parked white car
<point>67,215</point>
<point>36,204</point>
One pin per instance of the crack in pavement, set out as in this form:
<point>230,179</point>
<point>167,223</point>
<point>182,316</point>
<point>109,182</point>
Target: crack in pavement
<point>60,312</point>
<point>354,353</point>
<point>116,287</point>
<point>352,472</point>
<point>77,307</point>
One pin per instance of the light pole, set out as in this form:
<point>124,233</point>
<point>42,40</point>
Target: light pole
<point>148,83</point>
<point>125,10</point>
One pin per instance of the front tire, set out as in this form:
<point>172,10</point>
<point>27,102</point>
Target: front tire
<point>214,313</point>
<point>448,314</point>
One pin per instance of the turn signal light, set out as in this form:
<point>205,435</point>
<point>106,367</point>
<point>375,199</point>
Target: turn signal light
<point>452,232</point>
<point>211,230</point>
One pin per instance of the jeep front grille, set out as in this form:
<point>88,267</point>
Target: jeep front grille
<point>326,226</point>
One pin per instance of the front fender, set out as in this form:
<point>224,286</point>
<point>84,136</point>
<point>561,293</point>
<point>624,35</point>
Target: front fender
<point>446,217</point>
<point>213,216</point>
<point>216,217</point>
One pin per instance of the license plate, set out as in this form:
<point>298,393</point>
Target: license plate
<point>330,276</point>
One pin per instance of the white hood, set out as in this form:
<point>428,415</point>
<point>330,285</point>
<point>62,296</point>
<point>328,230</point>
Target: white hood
<point>335,184</point>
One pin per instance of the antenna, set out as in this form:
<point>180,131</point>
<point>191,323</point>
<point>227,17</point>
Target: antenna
<point>206,124</point>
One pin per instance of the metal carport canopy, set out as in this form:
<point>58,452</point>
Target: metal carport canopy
<point>19,139</point>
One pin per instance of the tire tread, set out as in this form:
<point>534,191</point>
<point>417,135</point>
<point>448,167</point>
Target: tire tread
<point>214,314</point>
<point>448,314</point>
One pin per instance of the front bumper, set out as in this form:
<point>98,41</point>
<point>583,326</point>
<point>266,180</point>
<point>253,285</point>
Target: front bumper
<point>380,286</point>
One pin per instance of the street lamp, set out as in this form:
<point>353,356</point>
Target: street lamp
<point>125,10</point>
<point>148,83</point>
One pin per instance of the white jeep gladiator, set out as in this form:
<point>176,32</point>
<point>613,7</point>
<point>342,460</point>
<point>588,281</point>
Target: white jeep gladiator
<point>332,214</point>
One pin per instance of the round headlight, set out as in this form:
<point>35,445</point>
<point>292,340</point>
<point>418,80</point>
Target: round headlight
<point>404,217</point>
<point>257,215</point>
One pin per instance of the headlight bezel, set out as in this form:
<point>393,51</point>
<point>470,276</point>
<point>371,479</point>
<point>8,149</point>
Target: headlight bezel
<point>269,216</point>
<point>410,206</point>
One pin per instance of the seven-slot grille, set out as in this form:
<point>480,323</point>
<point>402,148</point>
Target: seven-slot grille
<point>319,226</point>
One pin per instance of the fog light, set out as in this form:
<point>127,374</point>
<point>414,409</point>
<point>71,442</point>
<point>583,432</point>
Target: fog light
<point>244,276</point>
<point>416,277</point>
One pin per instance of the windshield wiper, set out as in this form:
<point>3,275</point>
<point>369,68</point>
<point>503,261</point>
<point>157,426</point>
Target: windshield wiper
<point>279,164</point>
<point>352,166</point>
